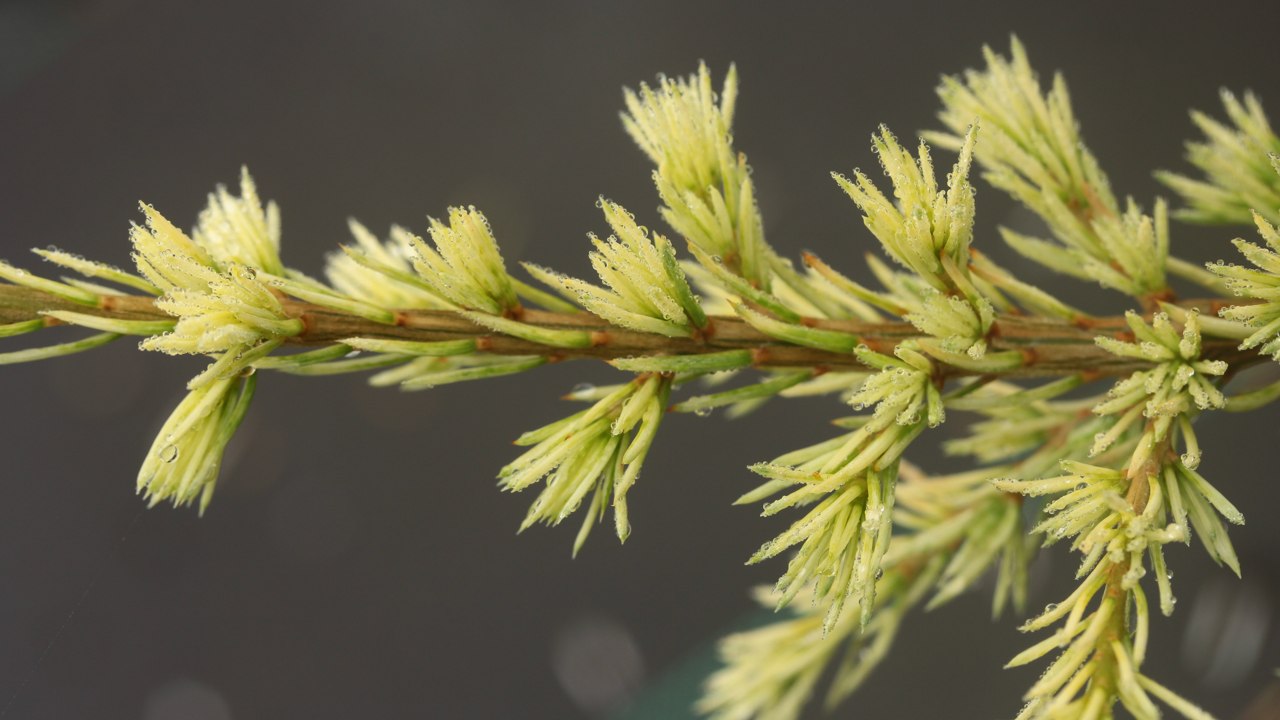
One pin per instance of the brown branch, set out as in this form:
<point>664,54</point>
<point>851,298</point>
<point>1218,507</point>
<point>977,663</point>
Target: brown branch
<point>1050,347</point>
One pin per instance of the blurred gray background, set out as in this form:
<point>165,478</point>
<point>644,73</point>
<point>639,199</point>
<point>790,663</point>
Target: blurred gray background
<point>358,560</point>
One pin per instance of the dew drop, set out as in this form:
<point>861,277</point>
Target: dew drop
<point>582,388</point>
<point>702,411</point>
<point>169,453</point>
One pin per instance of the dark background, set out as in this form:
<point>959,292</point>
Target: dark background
<point>358,560</point>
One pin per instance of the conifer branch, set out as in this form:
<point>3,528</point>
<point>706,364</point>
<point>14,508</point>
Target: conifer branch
<point>1112,473</point>
<point>1050,348</point>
